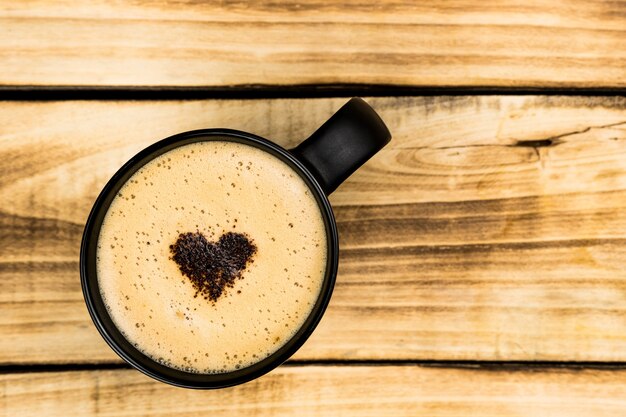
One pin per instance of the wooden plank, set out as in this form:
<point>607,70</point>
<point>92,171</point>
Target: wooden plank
<point>325,390</point>
<point>571,43</point>
<point>491,228</point>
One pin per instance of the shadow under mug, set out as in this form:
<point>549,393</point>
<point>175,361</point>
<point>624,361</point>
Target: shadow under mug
<point>324,160</point>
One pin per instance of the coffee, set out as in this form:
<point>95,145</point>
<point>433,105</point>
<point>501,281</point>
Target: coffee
<point>211,256</point>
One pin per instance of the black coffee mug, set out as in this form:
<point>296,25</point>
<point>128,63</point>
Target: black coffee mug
<point>324,160</point>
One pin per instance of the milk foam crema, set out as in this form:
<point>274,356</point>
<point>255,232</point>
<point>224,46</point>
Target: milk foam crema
<point>212,188</point>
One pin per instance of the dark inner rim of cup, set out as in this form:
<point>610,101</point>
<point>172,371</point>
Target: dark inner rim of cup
<point>100,315</point>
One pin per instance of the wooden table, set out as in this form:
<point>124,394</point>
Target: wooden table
<point>483,252</point>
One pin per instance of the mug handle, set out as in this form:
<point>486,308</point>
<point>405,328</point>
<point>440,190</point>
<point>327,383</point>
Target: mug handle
<point>343,143</point>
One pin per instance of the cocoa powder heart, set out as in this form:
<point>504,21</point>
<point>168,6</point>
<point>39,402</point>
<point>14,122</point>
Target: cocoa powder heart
<point>212,266</point>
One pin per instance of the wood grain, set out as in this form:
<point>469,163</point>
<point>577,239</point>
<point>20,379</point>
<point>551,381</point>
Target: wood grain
<point>491,228</point>
<point>324,391</point>
<point>570,43</point>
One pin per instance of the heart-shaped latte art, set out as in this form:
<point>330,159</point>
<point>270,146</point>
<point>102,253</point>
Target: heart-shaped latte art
<point>212,266</point>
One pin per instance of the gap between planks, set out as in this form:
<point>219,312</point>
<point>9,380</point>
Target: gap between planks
<point>504,366</point>
<point>261,91</point>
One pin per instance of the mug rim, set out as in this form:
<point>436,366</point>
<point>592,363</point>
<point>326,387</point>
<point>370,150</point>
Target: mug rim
<point>89,280</point>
